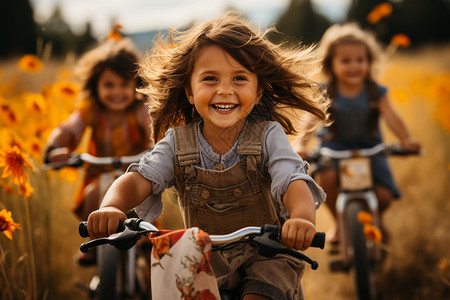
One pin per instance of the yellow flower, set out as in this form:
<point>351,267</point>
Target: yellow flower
<point>10,138</point>
<point>25,189</point>
<point>364,217</point>
<point>34,147</point>
<point>7,225</point>
<point>30,63</point>
<point>401,40</point>
<point>35,103</point>
<point>8,189</point>
<point>7,114</point>
<point>115,34</point>
<point>14,162</point>
<point>65,90</point>
<point>372,233</point>
<point>379,12</point>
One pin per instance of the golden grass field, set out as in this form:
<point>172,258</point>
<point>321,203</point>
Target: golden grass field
<point>37,263</point>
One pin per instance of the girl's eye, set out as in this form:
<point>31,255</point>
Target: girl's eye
<point>209,78</point>
<point>239,78</point>
<point>108,84</point>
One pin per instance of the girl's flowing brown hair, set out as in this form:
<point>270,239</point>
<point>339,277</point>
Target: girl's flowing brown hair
<point>283,73</point>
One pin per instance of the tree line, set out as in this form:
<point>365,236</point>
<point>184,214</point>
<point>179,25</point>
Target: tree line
<point>422,21</point>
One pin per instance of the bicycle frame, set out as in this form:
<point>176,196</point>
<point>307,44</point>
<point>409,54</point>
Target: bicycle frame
<point>356,194</point>
<point>370,201</point>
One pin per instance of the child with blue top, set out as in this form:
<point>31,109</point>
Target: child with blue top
<point>348,56</point>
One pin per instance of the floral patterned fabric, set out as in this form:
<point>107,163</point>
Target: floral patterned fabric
<point>181,265</point>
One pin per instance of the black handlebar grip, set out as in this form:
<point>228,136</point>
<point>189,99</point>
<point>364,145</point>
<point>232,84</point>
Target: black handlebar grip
<point>275,234</point>
<point>82,228</point>
<point>318,240</point>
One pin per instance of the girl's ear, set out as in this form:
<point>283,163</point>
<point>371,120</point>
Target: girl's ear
<point>189,94</point>
<point>259,93</point>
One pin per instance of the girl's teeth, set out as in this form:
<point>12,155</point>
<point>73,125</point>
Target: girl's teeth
<point>224,107</point>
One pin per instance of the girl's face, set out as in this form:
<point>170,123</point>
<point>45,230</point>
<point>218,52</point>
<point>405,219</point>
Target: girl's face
<point>350,64</point>
<point>222,90</point>
<point>115,92</point>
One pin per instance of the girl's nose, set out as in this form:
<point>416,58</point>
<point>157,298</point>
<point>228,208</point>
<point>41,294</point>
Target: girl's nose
<point>225,90</point>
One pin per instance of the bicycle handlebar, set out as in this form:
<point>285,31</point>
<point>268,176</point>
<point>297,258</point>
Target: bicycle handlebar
<point>266,238</point>
<point>78,159</point>
<point>393,149</point>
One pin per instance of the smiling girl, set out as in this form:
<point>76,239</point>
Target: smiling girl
<point>112,109</point>
<point>218,93</point>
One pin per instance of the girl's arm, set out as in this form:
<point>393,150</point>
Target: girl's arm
<point>125,193</point>
<point>299,230</point>
<point>397,125</point>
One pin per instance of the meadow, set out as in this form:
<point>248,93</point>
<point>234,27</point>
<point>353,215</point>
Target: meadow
<point>40,232</point>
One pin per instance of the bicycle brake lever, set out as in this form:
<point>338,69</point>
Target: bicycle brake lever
<point>122,240</point>
<point>268,248</point>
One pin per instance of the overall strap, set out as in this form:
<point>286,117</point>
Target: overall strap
<point>250,146</point>
<point>186,151</point>
<point>252,140</point>
<point>186,145</point>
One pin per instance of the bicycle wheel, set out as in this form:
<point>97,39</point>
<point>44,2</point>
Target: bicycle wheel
<point>361,266</point>
<point>108,264</point>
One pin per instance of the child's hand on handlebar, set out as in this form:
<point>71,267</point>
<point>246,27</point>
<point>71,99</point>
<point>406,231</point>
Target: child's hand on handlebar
<point>104,221</point>
<point>410,144</point>
<point>58,154</point>
<point>297,233</point>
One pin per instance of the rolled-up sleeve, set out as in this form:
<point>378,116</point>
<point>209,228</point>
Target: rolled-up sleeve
<point>285,166</point>
<point>158,167</point>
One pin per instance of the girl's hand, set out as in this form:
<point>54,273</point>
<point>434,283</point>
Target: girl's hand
<point>58,154</point>
<point>104,221</point>
<point>410,144</point>
<point>297,233</point>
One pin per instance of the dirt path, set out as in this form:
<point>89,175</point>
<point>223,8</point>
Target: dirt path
<point>321,284</point>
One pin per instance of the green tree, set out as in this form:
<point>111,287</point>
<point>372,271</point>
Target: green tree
<point>302,22</point>
<point>422,21</point>
<point>17,28</point>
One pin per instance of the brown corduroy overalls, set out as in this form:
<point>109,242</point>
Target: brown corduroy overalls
<point>221,201</point>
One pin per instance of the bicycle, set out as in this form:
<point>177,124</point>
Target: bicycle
<point>265,238</point>
<point>118,272</point>
<point>359,255</point>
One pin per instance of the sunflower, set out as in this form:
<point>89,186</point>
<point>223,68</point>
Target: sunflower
<point>7,225</point>
<point>14,162</point>
<point>65,90</point>
<point>114,34</point>
<point>401,40</point>
<point>364,217</point>
<point>379,12</point>
<point>373,233</point>
<point>30,63</point>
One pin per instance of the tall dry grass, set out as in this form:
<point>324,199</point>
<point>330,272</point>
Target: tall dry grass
<point>37,263</point>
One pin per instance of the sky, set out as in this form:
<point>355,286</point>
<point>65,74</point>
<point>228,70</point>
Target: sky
<point>144,15</point>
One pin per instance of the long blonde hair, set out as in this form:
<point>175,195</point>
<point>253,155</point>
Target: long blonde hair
<point>283,73</point>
